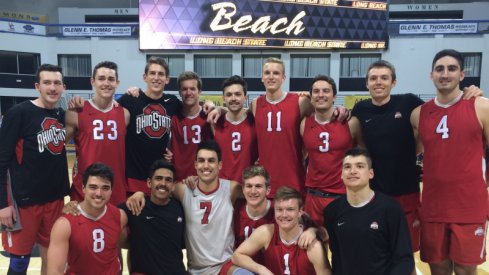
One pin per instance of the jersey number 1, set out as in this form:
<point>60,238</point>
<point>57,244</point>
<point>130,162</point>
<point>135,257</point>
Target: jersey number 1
<point>269,120</point>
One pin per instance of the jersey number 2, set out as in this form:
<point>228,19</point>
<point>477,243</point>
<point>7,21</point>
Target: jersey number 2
<point>442,127</point>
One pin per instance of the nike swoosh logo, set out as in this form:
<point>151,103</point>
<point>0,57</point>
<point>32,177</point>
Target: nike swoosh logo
<point>341,223</point>
<point>149,218</point>
<point>368,120</point>
<point>166,100</point>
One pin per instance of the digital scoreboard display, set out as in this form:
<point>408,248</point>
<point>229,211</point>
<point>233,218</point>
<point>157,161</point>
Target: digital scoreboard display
<point>262,24</point>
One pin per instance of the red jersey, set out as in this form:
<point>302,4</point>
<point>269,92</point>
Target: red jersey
<point>279,141</point>
<point>238,145</point>
<point>93,243</point>
<point>286,259</point>
<point>186,134</point>
<point>326,145</point>
<point>454,187</point>
<point>100,138</point>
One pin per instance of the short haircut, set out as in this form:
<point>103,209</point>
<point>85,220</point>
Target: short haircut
<point>106,64</point>
<point>235,79</point>
<point>358,151</point>
<point>286,193</point>
<point>158,61</point>
<point>189,75</point>
<point>382,64</point>
<point>449,52</point>
<point>160,164</point>
<point>210,145</point>
<point>98,169</point>
<point>326,78</point>
<point>275,60</point>
<point>256,170</point>
<point>48,68</point>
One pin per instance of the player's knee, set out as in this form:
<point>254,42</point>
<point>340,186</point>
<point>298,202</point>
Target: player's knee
<point>242,271</point>
<point>18,264</point>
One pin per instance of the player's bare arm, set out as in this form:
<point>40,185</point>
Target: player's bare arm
<point>356,132</point>
<point>236,191</point>
<point>317,256</point>
<point>259,239</point>
<point>472,91</point>
<point>123,240</point>
<point>59,246</point>
<point>415,124</point>
<point>71,124</point>
<point>482,112</point>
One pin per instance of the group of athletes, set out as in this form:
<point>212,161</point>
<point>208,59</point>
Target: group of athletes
<point>314,187</point>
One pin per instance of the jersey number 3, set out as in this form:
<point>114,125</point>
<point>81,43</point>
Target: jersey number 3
<point>442,127</point>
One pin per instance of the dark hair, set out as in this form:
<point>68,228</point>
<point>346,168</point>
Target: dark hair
<point>98,169</point>
<point>358,151</point>
<point>160,164</point>
<point>449,52</point>
<point>105,64</point>
<point>382,64</point>
<point>321,77</point>
<point>256,170</point>
<point>158,61</point>
<point>235,79</point>
<point>210,145</point>
<point>188,75</point>
<point>286,193</point>
<point>48,68</point>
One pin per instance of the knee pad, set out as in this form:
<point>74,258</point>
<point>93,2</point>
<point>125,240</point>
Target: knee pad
<point>18,264</point>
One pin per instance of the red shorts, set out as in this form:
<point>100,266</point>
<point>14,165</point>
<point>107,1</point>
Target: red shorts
<point>314,206</point>
<point>37,221</point>
<point>225,267</point>
<point>462,243</point>
<point>410,205</point>
<point>135,185</point>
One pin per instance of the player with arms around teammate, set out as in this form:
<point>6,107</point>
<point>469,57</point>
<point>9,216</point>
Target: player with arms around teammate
<point>99,129</point>
<point>235,131</point>
<point>325,140</point>
<point>156,235</point>
<point>367,230</point>
<point>87,243</point>
<point>33,168</point>
<point>278,242</point>
<point>454,133</point>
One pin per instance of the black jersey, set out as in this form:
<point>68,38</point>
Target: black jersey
<point>148,131</point>
<point>373,239</point>
<point>388,135</point>
<point>156,238</point>
<point>32,151</point>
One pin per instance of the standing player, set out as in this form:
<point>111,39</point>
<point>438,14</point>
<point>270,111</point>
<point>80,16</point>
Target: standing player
<point>325,141</point>
<point>235,131</point>
<point>100,130</point>
<point>87,243</point>
<point>367,231</point>
<point>282,255</point>
<point>156,235</point>
<point>148,132</point>
<point>189,127</point>
<point>454,133</point>
<point>33,167</point>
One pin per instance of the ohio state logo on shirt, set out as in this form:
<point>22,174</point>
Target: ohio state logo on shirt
<point>154,121</point>
<point>51,137</point>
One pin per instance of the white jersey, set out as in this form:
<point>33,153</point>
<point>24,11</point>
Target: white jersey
<point>209,237</point>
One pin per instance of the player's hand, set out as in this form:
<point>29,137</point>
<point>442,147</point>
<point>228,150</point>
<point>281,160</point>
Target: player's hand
<point>168,155</point>
<point>135,203</point>
<point>304,94</point>
<point>191,182</point>
<point>341,114</point>
<point>76,102</point>
<point>307,238</point>
<point>71,208</point>
<point>214,115</point>
<point>133,91</point>
<point>208,106</point>
<point>262,270</point>
<point>8,216</point>
<point>472,91</point>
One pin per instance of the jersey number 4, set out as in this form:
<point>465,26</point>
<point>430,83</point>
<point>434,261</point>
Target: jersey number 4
<point>98,130</point>
<point>442,127</point>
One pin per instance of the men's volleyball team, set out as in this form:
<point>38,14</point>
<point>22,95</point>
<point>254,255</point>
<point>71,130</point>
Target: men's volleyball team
<point>266,190</point>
